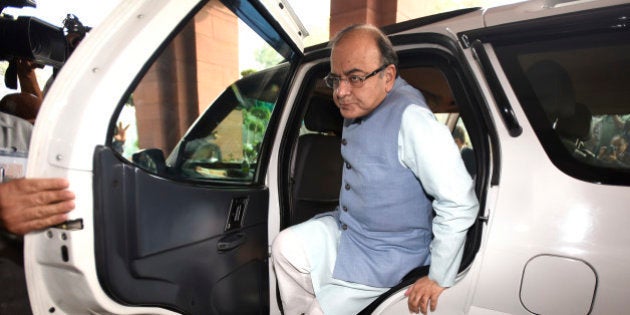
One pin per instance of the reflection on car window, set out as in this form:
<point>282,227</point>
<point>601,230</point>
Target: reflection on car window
<point>229,149</point>
<point>576,88</point>
<point>202,110</point>
<point>609,140</point>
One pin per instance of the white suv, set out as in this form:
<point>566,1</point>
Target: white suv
<point>179,217</point>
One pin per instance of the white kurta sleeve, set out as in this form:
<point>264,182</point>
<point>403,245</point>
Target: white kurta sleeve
<point>427,148</point>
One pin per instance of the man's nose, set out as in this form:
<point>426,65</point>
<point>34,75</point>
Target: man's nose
<point>343,88</point>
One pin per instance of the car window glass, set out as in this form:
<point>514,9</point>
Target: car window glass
<point>202,109</point>
<point>575,93</point>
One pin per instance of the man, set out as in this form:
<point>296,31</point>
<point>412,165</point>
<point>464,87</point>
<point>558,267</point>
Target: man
<point>26,205</point>
<point>395,153</point>
<point>468,155</point>
<point>30,204</point>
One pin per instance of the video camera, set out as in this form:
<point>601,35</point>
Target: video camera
<point>31,38</point>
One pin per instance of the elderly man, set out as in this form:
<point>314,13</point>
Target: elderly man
<point>396,155</point>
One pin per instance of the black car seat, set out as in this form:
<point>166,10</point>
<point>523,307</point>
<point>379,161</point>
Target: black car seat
<point>318,163</point>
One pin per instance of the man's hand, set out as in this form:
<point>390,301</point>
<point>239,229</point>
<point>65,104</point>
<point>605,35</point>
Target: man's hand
<point>423,295</point>
<point>28,204</point>
<point>28,78</point>
<point>121,132</point>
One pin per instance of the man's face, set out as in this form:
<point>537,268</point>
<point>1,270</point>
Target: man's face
<point>357,54</point>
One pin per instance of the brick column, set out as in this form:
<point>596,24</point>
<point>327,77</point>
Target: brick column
<point>191,72</point>
<point>377,12</point>
<point>347,12</point>
<point>216,38</point>
<point>165,99</point>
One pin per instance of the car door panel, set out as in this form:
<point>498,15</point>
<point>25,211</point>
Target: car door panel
<point>158,241</point>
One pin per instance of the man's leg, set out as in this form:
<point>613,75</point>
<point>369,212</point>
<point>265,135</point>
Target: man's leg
<point>293,271</point>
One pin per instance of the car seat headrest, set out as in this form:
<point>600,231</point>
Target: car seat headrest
<point>577,126</point>
<point>553,88</point>
<point>323,115</point>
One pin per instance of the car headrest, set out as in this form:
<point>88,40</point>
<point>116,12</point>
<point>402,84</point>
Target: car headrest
<point>553,88</point>
<point>577,126</point>
<point>323,115</point>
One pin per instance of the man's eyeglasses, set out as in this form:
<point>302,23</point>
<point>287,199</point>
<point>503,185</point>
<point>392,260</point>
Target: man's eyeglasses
<point>355,81</point>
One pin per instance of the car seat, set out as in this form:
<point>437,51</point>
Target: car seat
<point>318,164</point>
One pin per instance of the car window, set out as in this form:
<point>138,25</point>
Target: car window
<point>202,109</point>
<point>574,91</point>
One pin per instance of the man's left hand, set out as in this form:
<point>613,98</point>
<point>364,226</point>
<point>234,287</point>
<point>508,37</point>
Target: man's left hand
<point>423,295</point>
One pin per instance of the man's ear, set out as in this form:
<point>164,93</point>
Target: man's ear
<point>390,77</point>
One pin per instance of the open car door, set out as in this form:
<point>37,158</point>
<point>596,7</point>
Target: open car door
<point>162,121</point>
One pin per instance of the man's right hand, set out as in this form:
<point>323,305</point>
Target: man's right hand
<point>30,204</point>
<point>423,295</point>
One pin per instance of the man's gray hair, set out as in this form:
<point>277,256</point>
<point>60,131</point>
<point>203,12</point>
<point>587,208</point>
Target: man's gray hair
<point>388,54</point>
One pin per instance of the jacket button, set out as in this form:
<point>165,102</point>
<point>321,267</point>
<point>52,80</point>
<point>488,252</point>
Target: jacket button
<point>344,227</point>
<point>344,141</point>
<point>345,208</point>
<point>348,165</point>
<point>347,186</point>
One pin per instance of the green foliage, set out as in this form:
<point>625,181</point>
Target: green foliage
<point>255,120</point>
<point>247,72</point>
<point>267,56</point>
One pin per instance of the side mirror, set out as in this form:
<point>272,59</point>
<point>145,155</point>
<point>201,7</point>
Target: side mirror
<point>151,160</point>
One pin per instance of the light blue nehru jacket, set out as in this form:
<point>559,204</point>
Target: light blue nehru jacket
<point>384,214</point>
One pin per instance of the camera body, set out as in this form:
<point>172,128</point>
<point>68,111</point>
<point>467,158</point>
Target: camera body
<point>30,38</point>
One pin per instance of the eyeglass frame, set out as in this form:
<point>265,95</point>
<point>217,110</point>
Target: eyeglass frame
<point>361,79</point>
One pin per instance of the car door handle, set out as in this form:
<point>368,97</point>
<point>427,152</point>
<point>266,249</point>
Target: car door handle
<point>231,241</point>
